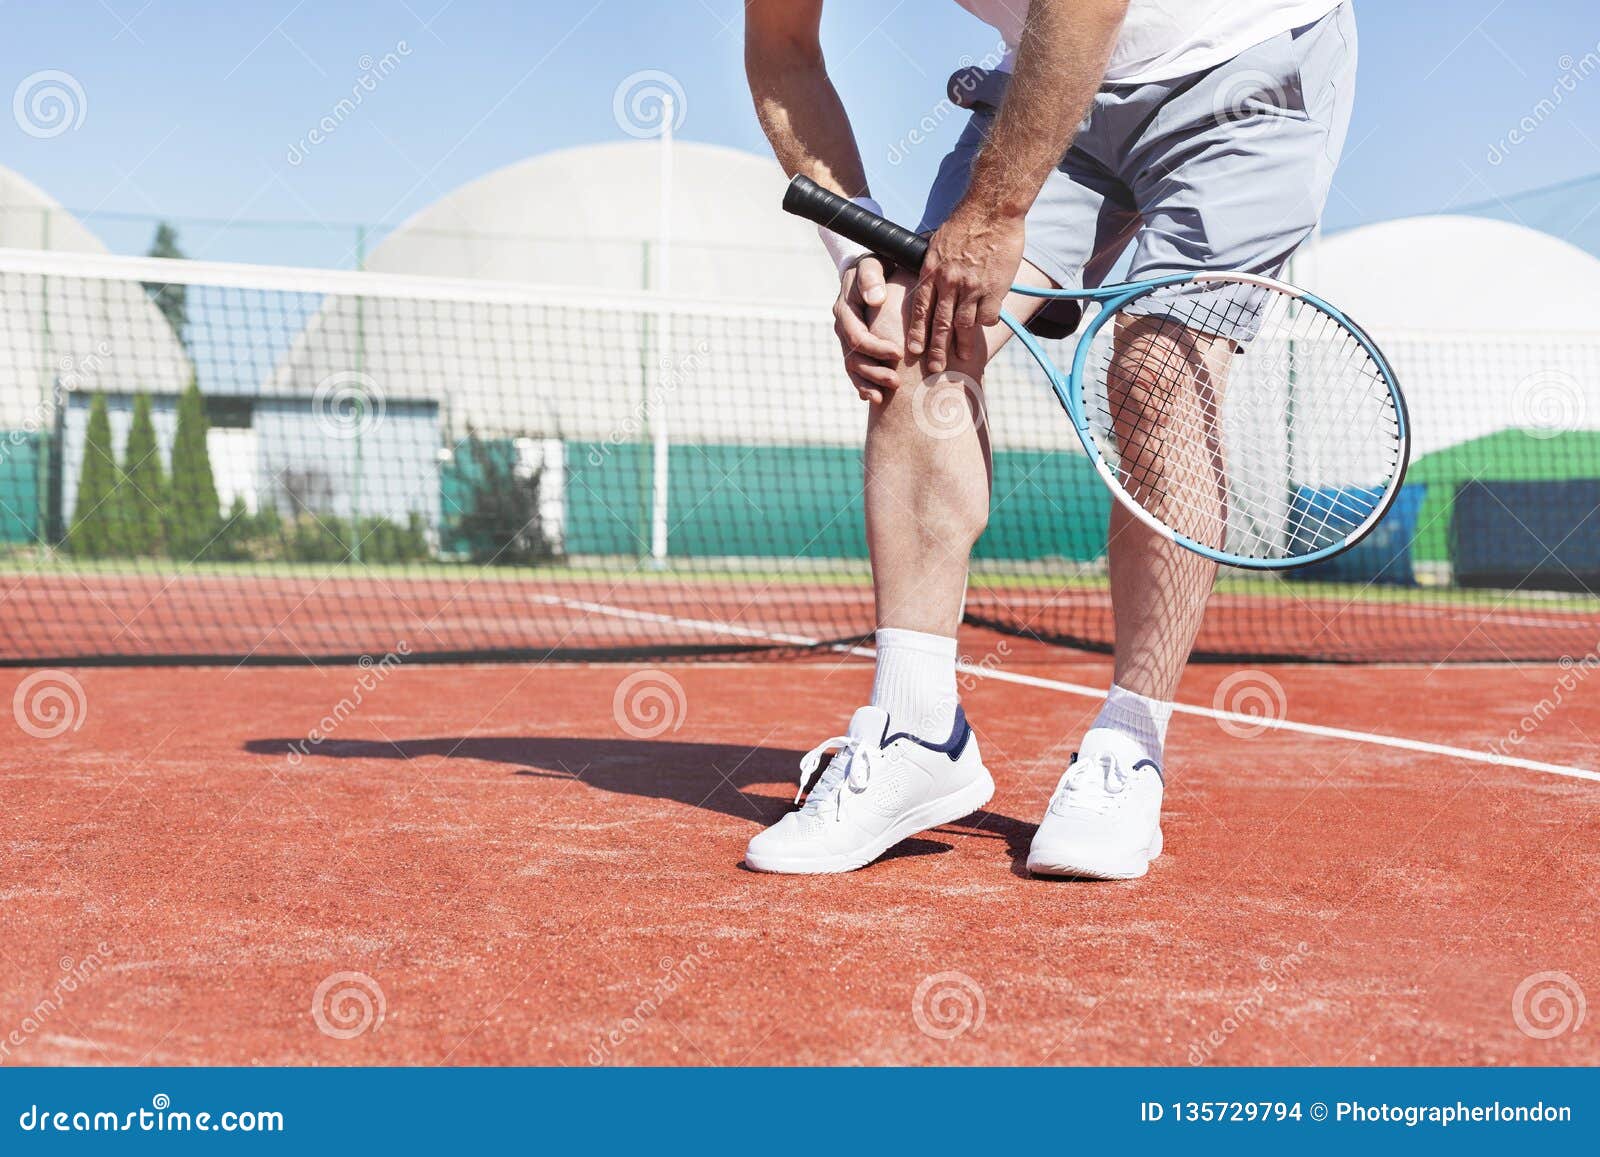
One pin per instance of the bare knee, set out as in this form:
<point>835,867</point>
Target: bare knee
<point>927,439</point>
<point>929,435</point>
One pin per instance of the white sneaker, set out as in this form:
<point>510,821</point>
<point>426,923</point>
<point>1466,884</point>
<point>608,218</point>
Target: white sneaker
<point>1104,820</point>
<point>878,790</point>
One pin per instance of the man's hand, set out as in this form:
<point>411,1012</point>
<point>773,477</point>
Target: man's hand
<point>971,263</point>
<point>869,357</point>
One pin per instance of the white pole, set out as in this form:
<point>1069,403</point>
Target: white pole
<point>658,400</point>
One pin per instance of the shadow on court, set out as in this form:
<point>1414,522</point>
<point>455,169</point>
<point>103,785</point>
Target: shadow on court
<point>713,776</point>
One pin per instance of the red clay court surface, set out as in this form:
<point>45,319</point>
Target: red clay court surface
<point>517,880</point>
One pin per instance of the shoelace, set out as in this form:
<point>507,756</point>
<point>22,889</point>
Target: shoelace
<point>1077,787</point>
<point>857,758</point>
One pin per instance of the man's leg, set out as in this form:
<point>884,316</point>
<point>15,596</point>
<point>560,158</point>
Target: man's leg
<point>928,474</point>
<point>1235,192</point>
<point>1165,389</point>
<point>1158,597</point>
<point>909,761</point>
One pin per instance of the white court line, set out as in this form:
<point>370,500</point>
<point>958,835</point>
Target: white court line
<point>1253,721</point>
<point>1262,721</point>
<point>710,625</point>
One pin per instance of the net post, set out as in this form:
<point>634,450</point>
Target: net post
<point>354,549</point>
<point>660,446</point>
<point>50,391</point>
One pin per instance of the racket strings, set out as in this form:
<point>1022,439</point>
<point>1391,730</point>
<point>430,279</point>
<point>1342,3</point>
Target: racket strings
<point>1243,418</point>
<point>1343,513</point>
<point>1337,384</point>
<point>1156,387</point>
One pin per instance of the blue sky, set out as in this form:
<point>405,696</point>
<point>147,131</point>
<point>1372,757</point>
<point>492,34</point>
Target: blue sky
<point>191,110</point>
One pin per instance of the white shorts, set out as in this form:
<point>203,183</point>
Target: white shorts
<point>1227,169</point>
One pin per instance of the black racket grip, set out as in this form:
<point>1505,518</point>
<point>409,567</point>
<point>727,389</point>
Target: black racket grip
<point>805,198</point>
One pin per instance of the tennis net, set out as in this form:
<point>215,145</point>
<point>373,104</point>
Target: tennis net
<point>202,462</point>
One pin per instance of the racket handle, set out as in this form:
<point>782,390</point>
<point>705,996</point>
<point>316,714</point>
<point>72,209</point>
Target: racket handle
<point>805,198</point>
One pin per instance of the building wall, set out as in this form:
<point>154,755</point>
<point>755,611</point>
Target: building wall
<point>390,471</point>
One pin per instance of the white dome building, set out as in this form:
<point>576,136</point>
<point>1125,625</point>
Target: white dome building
<point>32,219</point>
<point>561,342</point>
<point>1490,326</point>
<point>1455,273</point>
<point>591,217</point>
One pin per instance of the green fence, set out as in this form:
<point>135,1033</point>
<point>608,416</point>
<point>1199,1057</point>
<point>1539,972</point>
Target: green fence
<point>1505,456</point>
<point>805,502</point>
<point>20,503</point>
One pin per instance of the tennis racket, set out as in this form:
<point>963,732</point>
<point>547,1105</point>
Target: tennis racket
<point>1237,416</point>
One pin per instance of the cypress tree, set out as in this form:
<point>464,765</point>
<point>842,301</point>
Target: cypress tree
<point>94,517</point>
<point>196,513</point>
<point>142,489</point>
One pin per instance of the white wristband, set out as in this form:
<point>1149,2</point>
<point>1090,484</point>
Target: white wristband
<point>845,252</point>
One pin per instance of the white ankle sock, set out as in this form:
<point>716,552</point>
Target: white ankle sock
<point>1142,720</point>
<point>916,682</point>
